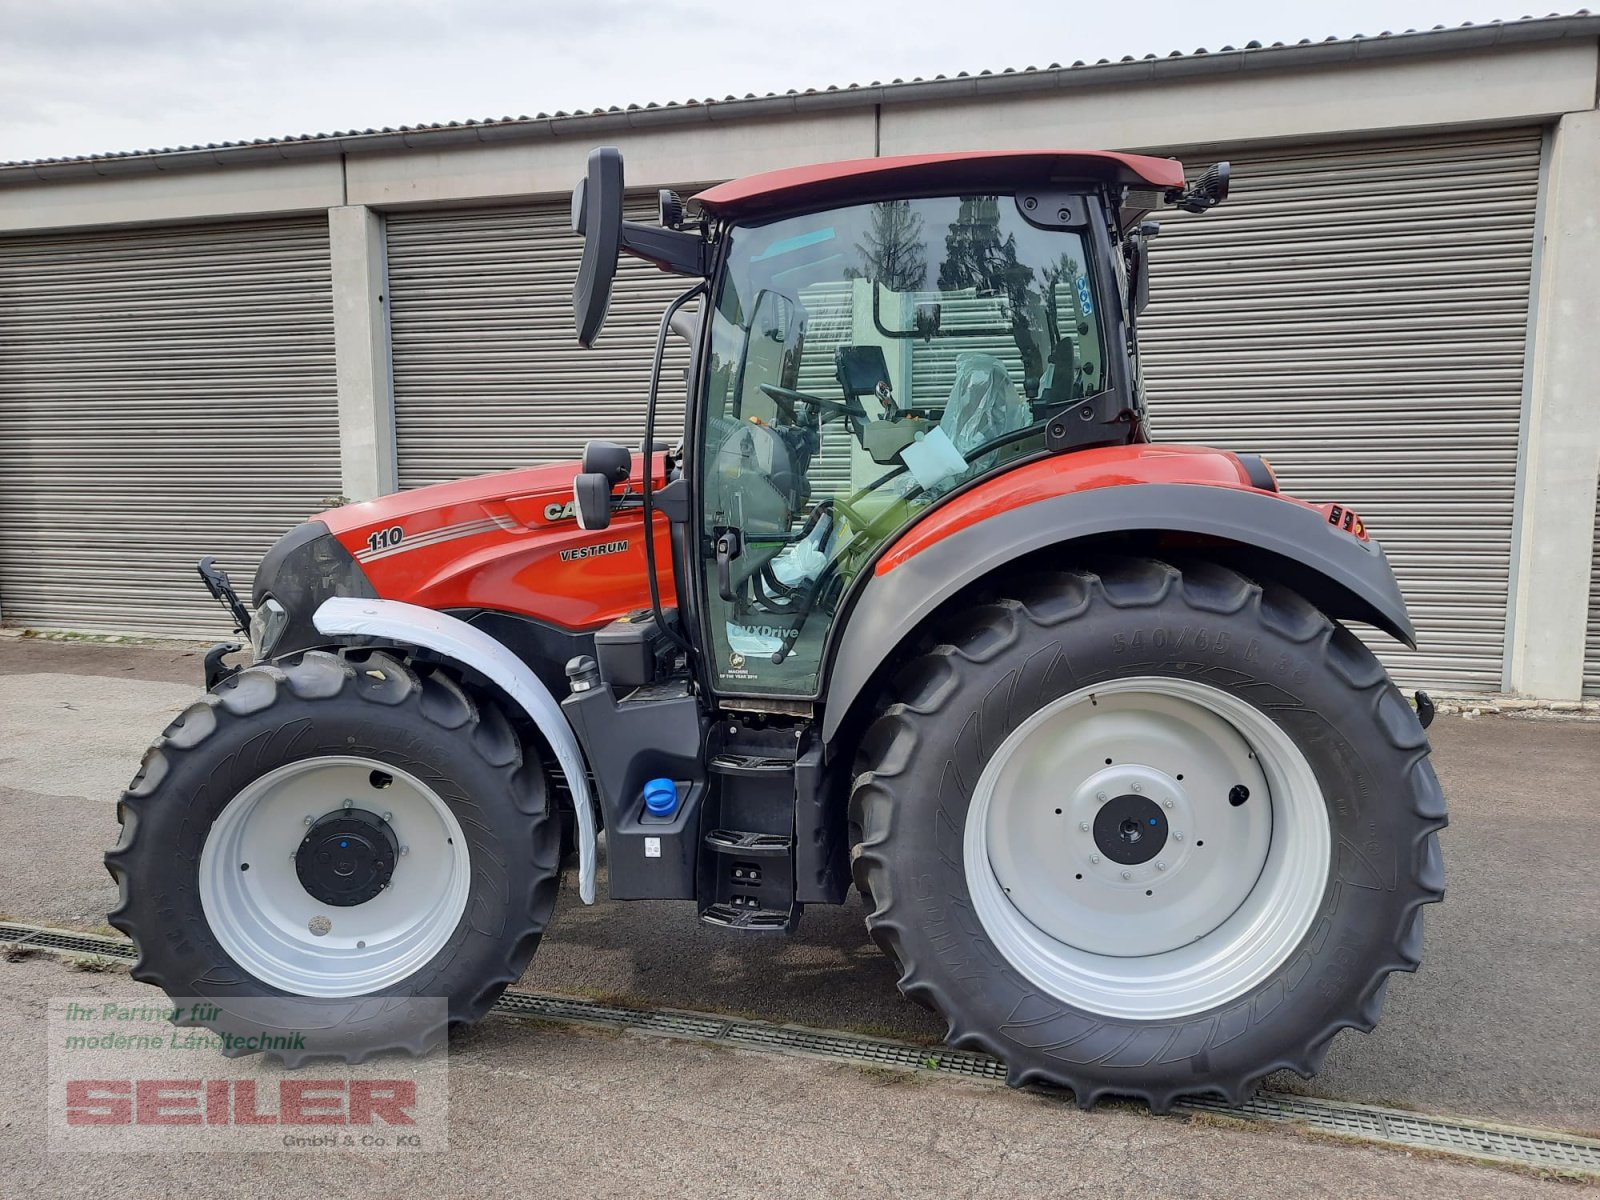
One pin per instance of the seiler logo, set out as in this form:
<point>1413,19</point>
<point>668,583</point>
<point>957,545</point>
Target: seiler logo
<point>137,1077</point>
<point>236,1102</point>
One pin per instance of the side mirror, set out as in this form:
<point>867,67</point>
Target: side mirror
<point>597,216</point>
<point>591,500</point>
<point>608,459</point>
<point>1139,264</point>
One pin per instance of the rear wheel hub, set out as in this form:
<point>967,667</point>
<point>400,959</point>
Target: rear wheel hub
<point>1129,829</point>
<point>347,857</point>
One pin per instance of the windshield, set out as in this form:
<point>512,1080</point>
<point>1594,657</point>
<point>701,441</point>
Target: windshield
<point>864,362</point>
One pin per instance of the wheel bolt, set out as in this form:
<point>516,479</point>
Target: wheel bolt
<point>349,804</point>
<point>1127,874</point>
<point>1138,787</point>
<point>404,850</point>
<point>1099,795</point>
<point>1167,803</point>
<point>388,816</point>
<point>1161,866</point>
<point>310,820</point>
<point>1177,837</point>
<point>1094,858</point>
<point>1084,826</point>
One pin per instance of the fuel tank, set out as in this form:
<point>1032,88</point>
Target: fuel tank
<point>507,542</point>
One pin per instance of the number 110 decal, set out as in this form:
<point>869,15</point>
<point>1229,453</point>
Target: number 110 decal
<point>385,539</point>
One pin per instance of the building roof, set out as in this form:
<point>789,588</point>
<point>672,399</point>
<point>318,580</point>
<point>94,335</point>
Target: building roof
<point>822,183</point>
<point>594,123</point>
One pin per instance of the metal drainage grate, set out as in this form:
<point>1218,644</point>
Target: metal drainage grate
<point>1544,1149</point>
<point>64,941</point>
<point>1480,1139</point>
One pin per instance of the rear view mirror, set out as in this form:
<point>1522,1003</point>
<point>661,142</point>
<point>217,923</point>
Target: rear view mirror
<point>597,216</point>
<point>607,458</point>
<point>591,500</point>
<point>1139,264</point>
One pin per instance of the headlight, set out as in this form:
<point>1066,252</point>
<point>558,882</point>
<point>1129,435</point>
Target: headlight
<point>267,626</point>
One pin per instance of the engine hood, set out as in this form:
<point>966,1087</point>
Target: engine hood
<point>507,542</point>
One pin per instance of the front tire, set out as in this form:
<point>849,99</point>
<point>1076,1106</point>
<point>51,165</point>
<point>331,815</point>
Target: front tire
<point>347,844</point>
<point>1115,952</point>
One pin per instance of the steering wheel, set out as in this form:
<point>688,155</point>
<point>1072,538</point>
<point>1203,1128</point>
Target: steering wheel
<point>787,398</point>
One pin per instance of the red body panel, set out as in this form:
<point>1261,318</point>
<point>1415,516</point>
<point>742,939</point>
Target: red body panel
<point>506,542</point>
<point>1111,466</point>
<point>836,182</point>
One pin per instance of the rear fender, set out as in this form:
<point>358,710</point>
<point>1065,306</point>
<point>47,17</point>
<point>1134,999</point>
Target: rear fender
<point>412,625</point>
<point>1343,573</point>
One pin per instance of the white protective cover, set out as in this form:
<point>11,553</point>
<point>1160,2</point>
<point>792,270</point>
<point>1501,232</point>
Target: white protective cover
<point>983,403</point>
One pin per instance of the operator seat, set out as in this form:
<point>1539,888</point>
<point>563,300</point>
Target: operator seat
<point>1064,386</point>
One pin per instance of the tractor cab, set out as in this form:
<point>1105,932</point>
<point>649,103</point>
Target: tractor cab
<point>875,336</point>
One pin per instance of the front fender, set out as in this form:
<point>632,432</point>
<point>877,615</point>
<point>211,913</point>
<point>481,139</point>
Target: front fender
<point>412,625</point>
<point>1344,575</point>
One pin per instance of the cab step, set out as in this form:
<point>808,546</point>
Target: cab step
<point>750,878</point>
<point>754,920</point>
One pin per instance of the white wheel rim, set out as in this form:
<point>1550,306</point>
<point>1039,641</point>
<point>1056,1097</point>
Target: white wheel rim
<point>268,923</point>
<point>1221,905</point>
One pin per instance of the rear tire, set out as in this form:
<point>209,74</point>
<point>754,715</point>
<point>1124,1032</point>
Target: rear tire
<point>1029,940</point>
<point>453,919</point>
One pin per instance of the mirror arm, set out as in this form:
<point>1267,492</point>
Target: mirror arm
<point>678,251</point>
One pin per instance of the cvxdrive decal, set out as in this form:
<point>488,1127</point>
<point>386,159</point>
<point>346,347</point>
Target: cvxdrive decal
<point>594,551</point>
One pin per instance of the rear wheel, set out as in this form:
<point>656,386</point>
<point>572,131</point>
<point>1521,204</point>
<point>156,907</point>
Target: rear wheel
<point>1148,832</point>
<point>345,844</point>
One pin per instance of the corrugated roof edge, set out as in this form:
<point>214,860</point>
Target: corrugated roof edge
<point>596,123</point>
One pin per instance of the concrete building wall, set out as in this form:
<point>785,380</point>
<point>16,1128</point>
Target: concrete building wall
<point>1561,434</point>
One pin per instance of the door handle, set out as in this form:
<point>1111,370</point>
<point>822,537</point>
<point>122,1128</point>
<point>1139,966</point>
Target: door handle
<point>728,546</point>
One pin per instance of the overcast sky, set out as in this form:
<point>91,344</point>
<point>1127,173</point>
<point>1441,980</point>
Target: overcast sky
<point>86,76</point>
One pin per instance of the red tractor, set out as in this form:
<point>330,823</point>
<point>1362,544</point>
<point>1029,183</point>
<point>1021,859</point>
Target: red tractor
<point>916,608</point>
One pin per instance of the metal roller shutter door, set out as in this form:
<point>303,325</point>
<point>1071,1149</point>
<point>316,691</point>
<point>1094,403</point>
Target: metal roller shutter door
<point>1591,646</point>
<point>164,394</point>
<point>488,373</point>
<point>1358,314</point>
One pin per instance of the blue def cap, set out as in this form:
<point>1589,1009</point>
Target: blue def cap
<point>661,797</point>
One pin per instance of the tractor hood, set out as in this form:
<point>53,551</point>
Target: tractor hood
<point>507,542</point>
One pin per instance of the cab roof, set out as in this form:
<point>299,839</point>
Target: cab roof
<point>823,184</point>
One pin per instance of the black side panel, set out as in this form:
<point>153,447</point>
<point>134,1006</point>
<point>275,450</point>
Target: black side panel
<point>652,732</point>
<point>1338,572</point>
<point>821,841</point>
<point>544,648</point>
<point>306,566</point>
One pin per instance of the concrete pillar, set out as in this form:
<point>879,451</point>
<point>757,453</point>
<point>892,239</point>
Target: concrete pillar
<point>1561,435</point>
<point>361,346</point>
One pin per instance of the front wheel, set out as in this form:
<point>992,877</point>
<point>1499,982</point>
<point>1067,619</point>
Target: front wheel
<point>347,846</point>
<point>1148,832</point>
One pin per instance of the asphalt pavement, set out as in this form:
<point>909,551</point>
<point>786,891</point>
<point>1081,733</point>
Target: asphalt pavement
<point>1496,1025</point>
